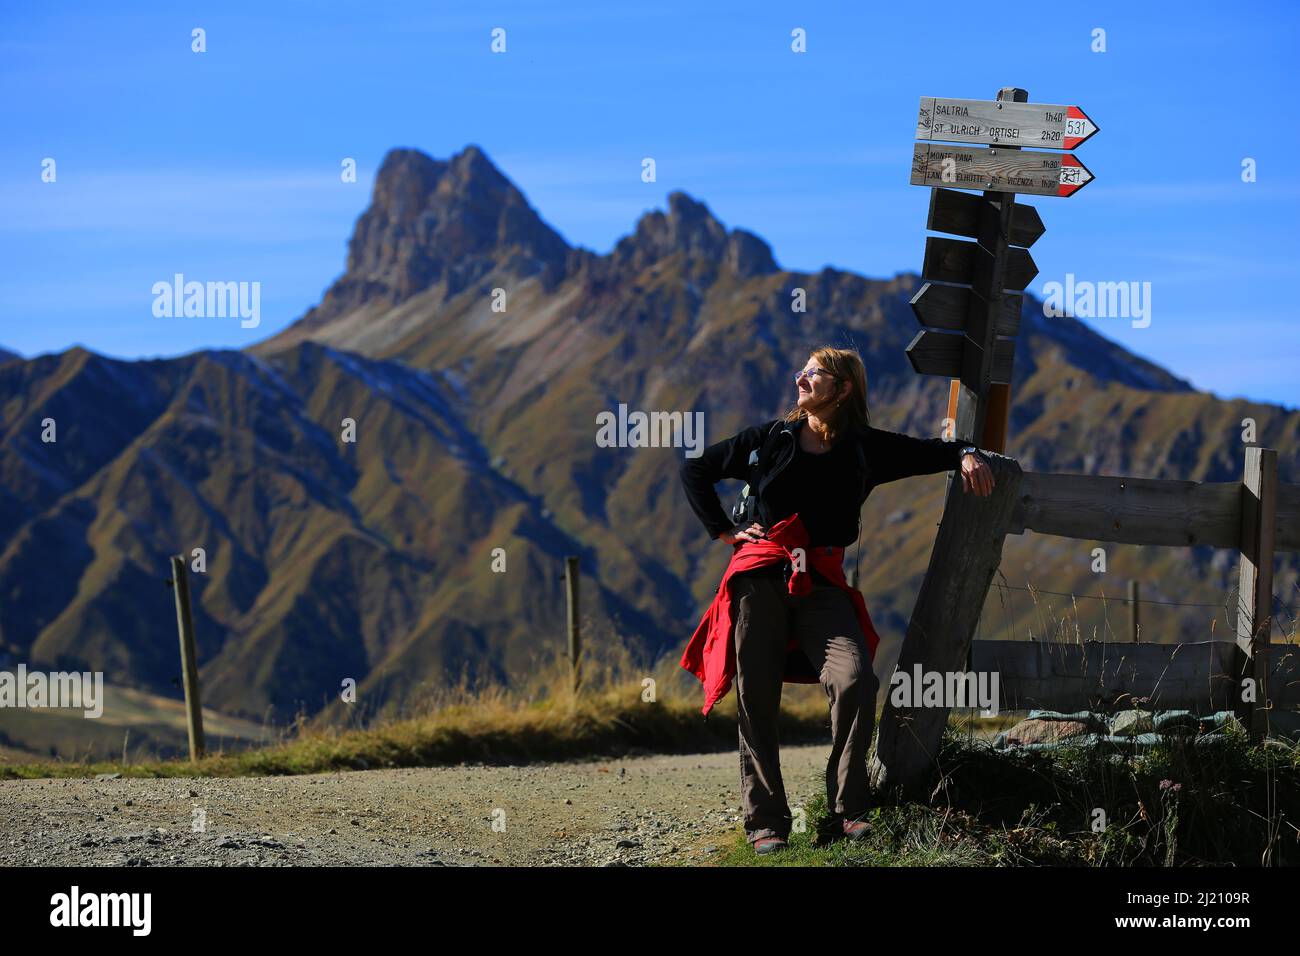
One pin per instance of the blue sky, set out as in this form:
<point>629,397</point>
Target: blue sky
<point>225,165</point>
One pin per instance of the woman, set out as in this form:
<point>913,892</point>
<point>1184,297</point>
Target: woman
<point>795,616</point>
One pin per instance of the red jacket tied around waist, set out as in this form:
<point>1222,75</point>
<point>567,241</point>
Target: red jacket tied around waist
<point>711,653</point>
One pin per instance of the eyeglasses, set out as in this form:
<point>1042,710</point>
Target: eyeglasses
<point>810,372</point>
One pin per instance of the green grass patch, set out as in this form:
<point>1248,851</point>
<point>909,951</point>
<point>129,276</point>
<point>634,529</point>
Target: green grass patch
<point>1183,803</point>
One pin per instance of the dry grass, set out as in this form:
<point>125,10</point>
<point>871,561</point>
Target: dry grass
<point>618,711</point>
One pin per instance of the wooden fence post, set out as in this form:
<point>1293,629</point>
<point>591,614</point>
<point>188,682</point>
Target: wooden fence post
<point>1255,585</point>
<point>575,636</point>
<point>189,658</point>
<point>966,554</point>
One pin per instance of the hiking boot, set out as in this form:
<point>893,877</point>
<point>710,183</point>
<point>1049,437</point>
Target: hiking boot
<point>855,830</point>
<point>765,845</point>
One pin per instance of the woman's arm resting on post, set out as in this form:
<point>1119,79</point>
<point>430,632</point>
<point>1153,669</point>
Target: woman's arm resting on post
<point>892,455</point>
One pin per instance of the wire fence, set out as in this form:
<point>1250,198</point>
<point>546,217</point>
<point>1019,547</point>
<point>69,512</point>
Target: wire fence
<point>1283,616</point>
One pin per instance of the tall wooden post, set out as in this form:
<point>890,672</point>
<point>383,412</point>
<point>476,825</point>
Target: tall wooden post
<point>976,394</point>
<point>966,554</point>
<point>1255,585</point>
<point>189,658</point>
<point>997,421</point>
<point>968,546</point>
<point>575,636</point>
<point>965,292</point>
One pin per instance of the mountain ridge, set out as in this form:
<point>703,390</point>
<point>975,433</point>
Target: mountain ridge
<point>374,559</point>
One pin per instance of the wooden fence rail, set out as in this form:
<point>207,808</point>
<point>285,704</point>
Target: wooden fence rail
<point>1145,511</point>
<point>1256,516</point>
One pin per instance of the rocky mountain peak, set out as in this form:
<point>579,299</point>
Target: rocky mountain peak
<point>436,221</point>
<point>690,227</point>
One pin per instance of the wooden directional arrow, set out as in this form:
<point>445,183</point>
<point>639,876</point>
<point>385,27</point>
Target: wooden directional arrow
<point>999,170</point>
<point>1004,123</point>
<point>960,214</point>
<point>955,356</point>
<point>951,306</point>
<point>956,260</point>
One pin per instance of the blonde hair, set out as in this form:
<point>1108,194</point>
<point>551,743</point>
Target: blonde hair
<point>852,413</point>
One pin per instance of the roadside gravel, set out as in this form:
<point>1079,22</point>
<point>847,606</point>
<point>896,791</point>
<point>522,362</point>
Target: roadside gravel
<point>630,811</point>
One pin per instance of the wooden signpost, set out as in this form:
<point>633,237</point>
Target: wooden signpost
<point>1004,169</point>
<point>969,306</point>
<point>961,214</point>
<point>1004,122</point>
<point>969,309</point>
<point>943,353</point>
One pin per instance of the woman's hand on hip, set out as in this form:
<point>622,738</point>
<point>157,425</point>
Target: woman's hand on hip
<point>737,535</point>
<point>976,475</point>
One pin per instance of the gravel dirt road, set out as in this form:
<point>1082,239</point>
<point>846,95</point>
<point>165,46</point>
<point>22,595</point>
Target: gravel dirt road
<point>631,811</point>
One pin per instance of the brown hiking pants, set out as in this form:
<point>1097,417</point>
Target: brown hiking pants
<point>827,629</point>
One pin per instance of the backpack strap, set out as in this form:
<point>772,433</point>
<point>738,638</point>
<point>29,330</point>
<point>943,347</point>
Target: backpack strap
<point>761,457</point>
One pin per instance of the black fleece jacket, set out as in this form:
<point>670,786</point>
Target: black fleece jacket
<point>823,488</point>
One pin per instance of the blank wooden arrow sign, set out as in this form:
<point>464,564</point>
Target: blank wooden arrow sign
<point>956,260</point>
<point>1004,123</point>
<point>959,213</point>
<point>955,356</point>
<point>999,170</point>
<point>950,307</point>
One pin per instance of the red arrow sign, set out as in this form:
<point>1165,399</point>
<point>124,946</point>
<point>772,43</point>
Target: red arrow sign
<point>1074,175</point>
<point>1078,127</point>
